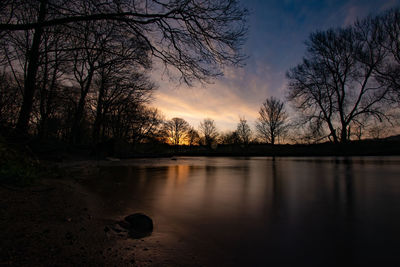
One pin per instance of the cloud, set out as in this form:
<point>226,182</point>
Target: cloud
<point>388,4</point>
<point>352,13</point>
<point>357,9</point>
<point>239,93</point>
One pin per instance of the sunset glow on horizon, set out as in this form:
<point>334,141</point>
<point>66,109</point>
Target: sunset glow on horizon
<point>275,44</point>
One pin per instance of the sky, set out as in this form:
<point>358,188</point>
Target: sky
<point>275,43</point>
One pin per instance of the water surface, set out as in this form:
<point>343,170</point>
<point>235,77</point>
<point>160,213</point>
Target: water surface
<point>262,211</point>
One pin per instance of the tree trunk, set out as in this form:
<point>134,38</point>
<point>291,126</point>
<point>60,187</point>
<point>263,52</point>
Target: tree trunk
<point>76,126</point>
<point>333,132</point>
<point>30,81</point>
<point>343,135</point>
<point>272,139</point>
<point>46,100</point>
<point>43,112</point>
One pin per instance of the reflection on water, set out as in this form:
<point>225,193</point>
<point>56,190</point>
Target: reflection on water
<point>258,211</point>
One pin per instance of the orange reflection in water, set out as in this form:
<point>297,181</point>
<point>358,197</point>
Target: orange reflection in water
<point>178,174</point>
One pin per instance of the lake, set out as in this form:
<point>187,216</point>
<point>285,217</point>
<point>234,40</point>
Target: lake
<point>258,211</point>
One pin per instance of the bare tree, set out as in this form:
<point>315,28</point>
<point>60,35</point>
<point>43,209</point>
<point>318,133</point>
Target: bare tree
<point>146,124</point>
<point>193,137</point>
<point>121,72</point>
<point>336,84</point>
<point>176,130</point>
<point>272,120</point>
<point>229,138</point>
<point>104,68</point>
<point>243,131</point>
<point>388,25</point>
<point>10,97</point>
<point>194,37</point>
<point>53,67</point>
<point>208,131</point>
<point>85,64</point>
<point>120,101</point>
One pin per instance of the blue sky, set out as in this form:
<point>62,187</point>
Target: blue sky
<point>278,30</point>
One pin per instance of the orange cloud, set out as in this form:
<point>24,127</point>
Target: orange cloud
<point>238,93</point>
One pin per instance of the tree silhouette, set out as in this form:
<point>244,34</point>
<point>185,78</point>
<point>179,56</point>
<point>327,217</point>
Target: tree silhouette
<point>147,123</point>
<point>337,83</point>
<point>389,26</point>
<point>194,37</point>
<point>208,131</point>
<point>229,138</point>
<point>176,129</point>
<point>243,131</point>
<point>272,120</point>
<point>193,137</point>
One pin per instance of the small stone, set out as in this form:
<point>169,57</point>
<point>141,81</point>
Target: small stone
<point>139,225</point>
<point>140,222</point>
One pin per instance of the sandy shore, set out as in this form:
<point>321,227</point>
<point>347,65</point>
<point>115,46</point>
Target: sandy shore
<point>55,223</point>
<point>50,225</point>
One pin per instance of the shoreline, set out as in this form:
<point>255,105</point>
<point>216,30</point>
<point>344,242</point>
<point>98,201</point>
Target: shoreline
<point>51,224</point>
<point>63,152</point>
<point>56,222</point>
